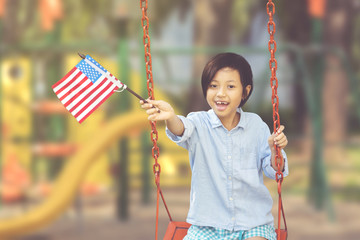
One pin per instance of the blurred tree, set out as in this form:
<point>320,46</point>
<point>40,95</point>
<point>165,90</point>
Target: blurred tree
<point>337,33</point>
<point>330,84</point>
<point>296,26</point>
<point>355,57</point>
<point>338,30</point>
<point>19,18</point>
<point>355,46</point>
<point>241,16</point>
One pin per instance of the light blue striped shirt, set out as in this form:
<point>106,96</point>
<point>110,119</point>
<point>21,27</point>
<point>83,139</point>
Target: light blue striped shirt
<point>227,189</point>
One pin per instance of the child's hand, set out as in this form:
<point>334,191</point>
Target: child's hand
<point>158,110</point>
<point>279,139</point>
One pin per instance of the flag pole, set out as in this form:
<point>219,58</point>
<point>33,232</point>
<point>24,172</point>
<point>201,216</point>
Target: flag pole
<point>127,88</point>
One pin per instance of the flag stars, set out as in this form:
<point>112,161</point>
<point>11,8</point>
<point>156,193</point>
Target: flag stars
<point>89,71</point>
<point>96,63</point>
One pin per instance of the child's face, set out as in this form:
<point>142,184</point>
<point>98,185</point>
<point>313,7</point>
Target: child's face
<point>225,92</point>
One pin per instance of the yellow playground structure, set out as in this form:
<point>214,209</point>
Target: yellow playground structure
<point>86,157</point>
<point>71,176</point>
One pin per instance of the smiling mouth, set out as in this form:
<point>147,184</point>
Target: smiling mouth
<point>221,106</point>
<point>221,103</point>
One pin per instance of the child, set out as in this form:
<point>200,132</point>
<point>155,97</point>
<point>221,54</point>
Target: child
<point>229,150</point>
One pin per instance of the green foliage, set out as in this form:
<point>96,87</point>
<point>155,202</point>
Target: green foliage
<point>22,22</point>
<point>242,12</point>
<point>86,19</point>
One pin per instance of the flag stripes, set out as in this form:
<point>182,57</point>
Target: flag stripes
<point>88,90</point>
<point>79,88</point>
<point>81,95</point>
<point>105,94</point>
<point>65,80</point>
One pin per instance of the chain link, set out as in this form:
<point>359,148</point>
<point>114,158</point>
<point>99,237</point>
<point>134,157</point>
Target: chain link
<point>150,83</point>
<point>270,9</point>
<point>154,133</point>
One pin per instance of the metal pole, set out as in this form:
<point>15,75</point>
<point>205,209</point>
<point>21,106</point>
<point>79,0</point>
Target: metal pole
<point>124,105</point>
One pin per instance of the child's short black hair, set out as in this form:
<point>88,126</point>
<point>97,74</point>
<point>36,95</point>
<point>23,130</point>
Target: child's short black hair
<point>233,61</point>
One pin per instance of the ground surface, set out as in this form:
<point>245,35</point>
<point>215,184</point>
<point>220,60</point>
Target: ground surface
<point>97,221</point>
<point>96,218</point>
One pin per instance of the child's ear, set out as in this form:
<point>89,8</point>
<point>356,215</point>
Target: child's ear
<point>247,91</point>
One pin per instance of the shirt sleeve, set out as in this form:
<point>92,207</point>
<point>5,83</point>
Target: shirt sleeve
<point>269,171</point>
<point>183,140</point>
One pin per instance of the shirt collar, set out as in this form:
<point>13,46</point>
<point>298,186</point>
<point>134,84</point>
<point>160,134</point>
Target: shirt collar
<point>215,121</point>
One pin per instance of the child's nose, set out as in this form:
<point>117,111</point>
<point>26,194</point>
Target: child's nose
<point>221,92</point>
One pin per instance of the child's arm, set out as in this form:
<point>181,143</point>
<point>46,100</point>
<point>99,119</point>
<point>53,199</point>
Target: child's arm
<point>281,141</point>
<point>160,110</point>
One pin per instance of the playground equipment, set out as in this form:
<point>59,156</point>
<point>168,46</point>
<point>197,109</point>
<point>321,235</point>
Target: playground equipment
<point>16,125</point>
<point>15,180</point>
<point>36,152</point>
<point>72,175</point>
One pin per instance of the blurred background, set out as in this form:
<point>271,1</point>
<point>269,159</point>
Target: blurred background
<point>113,196</point>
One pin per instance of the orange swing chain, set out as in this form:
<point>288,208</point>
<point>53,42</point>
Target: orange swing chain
<point>150,88</point>
<point>270,8</point>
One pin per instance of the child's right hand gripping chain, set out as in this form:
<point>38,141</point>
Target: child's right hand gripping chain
<point>158,110</point>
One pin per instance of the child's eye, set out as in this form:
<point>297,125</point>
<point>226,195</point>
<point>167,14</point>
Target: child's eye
<point>212,85</point>
<point>231,86</point>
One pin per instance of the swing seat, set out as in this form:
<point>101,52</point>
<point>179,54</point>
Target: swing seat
<point>176,230</point>
<point>283,234</point>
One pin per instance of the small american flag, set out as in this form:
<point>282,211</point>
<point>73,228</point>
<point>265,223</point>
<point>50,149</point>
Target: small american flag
<point>85,88</point>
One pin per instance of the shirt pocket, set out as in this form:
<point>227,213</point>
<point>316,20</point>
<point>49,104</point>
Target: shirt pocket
<point>249,179</point>
<point>247,159</point>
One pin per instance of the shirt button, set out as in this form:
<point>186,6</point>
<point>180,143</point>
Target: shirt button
<point>230,198</point>
<point>229,157</point>
<point>233,219</point>
<point>228,134</point>
<point>229,178</point>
